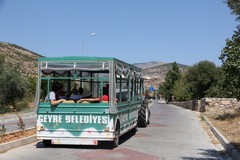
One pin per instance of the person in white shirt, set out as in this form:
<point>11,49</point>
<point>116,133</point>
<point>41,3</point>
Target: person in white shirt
<point>53,95</point>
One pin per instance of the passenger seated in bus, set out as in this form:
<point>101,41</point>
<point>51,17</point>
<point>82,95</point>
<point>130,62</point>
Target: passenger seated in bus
<point>78,96</point>
<point>74,91</point>
<point>104,97</point>
<point>54,94</point>
<point>75,94</point>
<point>62,94</point>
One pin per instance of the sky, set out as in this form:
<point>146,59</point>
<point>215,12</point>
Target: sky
<point>135,31</point>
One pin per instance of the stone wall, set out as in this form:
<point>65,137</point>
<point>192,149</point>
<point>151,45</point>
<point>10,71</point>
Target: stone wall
<point>223,104</point>
<point>192,105</point>
<point>210,104</point>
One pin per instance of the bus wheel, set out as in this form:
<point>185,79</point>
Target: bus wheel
<point>116,136</point>
<point>46,142</point>
<point>143,117</point>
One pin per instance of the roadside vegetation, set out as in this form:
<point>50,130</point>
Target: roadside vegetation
<point>17,91</point>
<point>203,79</point>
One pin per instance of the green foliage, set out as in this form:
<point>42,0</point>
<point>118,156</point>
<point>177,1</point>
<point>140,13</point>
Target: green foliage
<point>218,89</point>
<point>200,78</point>
<point>32,82</point>
<point>22,104</point>
<point>230,58</point>
<point>44,90</point>
<point>13,86</point>
<point>180,90</point>
<point>166,89</point>
<point>234,5</point>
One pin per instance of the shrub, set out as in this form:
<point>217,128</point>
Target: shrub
<point>13,86</point>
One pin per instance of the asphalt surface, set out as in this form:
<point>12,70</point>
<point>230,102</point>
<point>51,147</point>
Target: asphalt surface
<point>173,134</point>
<point>11,121</point>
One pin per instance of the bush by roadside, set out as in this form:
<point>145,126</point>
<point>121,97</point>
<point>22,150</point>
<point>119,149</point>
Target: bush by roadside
<point>16,90</point>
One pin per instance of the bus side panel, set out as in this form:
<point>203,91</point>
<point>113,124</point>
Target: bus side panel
<point>128,115</point>
<point>123,111</point>
<point>133,114</point>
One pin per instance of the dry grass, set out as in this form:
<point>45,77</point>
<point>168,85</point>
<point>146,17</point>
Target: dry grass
<point>228,124</point>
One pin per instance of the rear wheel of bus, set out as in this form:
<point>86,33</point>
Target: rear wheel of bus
<point>144,115</point>
<point>115,141</point>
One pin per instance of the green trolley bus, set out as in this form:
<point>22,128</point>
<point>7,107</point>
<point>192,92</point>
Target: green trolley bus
<point>79,121</point>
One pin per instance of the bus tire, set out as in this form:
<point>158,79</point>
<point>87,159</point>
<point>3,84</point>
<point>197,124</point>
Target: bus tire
<point>143,116</point>
<point>115,141</point>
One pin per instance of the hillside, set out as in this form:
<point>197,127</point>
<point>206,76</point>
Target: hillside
<point>25,60</point>
<point>146,65</point>
<point>19,57</point>
<point>156,75</point>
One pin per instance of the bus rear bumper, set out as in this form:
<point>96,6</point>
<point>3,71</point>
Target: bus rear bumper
<point>74,141</point>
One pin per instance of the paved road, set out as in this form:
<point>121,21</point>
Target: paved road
<point>11,121</point>
<point>174,134</point>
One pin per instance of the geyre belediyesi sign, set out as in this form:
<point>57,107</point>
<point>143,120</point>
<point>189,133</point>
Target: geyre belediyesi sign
<point>74,119</point>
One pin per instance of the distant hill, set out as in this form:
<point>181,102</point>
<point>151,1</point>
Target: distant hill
<point>156,75</point>
<point>20,57</point>
<point>26,61</point>
<point>145,65</point>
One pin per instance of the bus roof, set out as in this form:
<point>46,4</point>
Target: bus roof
<point>84,58</point>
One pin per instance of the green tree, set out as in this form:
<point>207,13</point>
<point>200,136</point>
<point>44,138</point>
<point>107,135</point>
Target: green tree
<point>200,78</point>
<point>12,85</point>
<point>180,90</point>
<point>218,89</point>
<point>31,86</point>
<point>234,5</point>
<point>166,89</point>
<point>230,58</point>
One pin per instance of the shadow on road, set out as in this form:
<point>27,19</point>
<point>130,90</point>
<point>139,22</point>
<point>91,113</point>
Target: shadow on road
<point>207,154</point>
<point>101,145</point>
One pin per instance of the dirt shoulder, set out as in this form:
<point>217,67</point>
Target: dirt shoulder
<point>227,123</point>
<point>16,135</point>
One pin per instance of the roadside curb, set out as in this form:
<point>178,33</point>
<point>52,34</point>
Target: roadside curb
<point>230,149</point>
<point>17,143</point>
